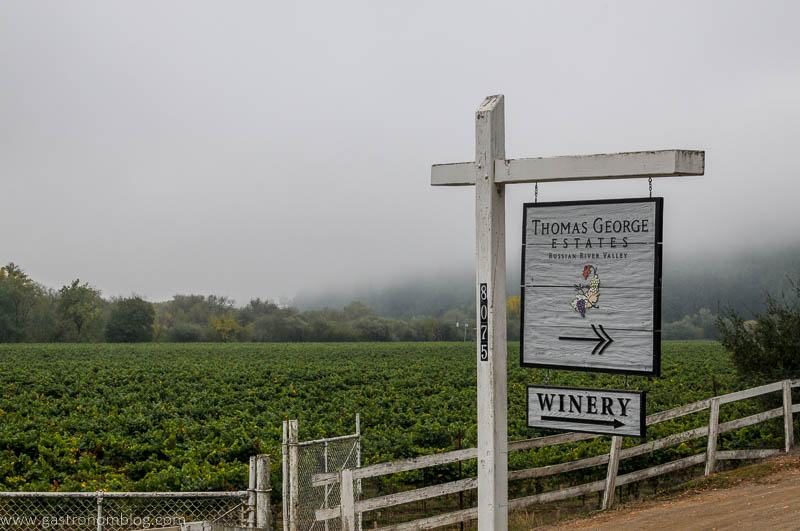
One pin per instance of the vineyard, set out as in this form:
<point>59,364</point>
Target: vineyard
<point>188,416</point>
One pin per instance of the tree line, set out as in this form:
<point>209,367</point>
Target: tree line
<point>77,312</point>
<point>440,309</point>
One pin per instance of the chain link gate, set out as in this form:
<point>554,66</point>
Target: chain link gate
<point>301,461</point>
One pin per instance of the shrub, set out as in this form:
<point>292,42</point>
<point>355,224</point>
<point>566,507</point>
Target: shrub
<point>186,333</point>
<point>767,348</point>
<point>131,321</point>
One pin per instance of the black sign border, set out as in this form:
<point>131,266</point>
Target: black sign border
<point>642,412</point>
<point>659,202</point>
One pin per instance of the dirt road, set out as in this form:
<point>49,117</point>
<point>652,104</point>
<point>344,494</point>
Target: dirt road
<point>771,502</point>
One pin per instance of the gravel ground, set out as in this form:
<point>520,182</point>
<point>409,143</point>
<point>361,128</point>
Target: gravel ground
<point>771,501</point>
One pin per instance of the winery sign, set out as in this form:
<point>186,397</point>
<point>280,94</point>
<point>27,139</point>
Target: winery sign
<point>591,286</point>
<point>588,410</point>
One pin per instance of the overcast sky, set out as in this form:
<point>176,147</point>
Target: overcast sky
<point>267,148</point>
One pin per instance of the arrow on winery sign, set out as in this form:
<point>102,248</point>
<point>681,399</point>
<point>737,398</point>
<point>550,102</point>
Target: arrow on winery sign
<point>609,412</point>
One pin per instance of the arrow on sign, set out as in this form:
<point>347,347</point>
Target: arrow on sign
<point>616,423</point>
<point>603,341</point>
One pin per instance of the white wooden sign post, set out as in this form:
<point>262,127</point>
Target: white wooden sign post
<point>489,173</point>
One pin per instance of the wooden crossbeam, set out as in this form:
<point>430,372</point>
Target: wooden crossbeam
<point>633,165</point>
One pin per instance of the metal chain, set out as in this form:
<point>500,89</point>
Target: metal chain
<point>536,193</point>
<point>650,185</point>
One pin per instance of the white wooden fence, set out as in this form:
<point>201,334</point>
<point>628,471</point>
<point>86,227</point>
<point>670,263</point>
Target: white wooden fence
<point>349,509</point>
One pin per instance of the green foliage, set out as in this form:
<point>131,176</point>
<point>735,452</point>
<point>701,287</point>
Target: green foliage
<point>767,348</point>
<point>168,416</point>
<point>186,333</point>
<point>9,331</point>
<point>131,321</point>
<point>280,326</point>
<point>181,320</point>
<point>79,310</point>
<point>373,328</point>
<point>43,324</point>
<point>225,328</point>
<point>17,296</point>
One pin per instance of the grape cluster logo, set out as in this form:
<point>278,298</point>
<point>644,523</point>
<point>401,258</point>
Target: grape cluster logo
<point>588,295</point>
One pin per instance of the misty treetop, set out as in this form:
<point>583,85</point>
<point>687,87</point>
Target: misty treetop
<point>30,312</point>
<point>424,309</point>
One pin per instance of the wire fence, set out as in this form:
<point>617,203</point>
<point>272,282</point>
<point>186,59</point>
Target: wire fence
<point>119,511</point>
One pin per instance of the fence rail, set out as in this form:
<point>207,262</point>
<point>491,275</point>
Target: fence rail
<point>349,509</point>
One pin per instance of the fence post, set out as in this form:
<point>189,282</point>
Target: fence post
<point>358,465</point>
<point>294,474</point>
<point>263,489</point>
<point>788,424</point>
<point>285,476</point>
<point>713,433</point>
<point>327,487</point>
<point>611,474</point>
<point>347,503</point>
<point>251,493</point>
<point>99,510</point>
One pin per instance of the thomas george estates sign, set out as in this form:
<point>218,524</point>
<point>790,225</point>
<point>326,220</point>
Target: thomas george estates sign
<point>591,285</point>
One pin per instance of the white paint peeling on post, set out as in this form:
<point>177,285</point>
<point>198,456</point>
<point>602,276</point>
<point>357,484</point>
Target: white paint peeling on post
<point>263,489</point>
<point>788,422</point>
<point>294,476</point>
<point>611,474</point>
<point>666,163</point>
<point>285,476</point>
<point>327,487</point>
<point>490,239</point>
<point>348,506</point>
<point>99,511</point>
<point>456,174</point>
<point>713,433</point>
<point>633,165</point>
<point>251,492</point>
<point>360,516</point>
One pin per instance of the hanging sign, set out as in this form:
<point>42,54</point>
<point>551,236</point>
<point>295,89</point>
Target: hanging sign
<point>591,286</point>
<point>587,410</point>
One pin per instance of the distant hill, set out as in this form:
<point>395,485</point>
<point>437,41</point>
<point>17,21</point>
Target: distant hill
<point>403,299</point>
<point>739,280</point>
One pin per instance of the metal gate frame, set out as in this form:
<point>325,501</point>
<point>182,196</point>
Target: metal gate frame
<point>291,473</point>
